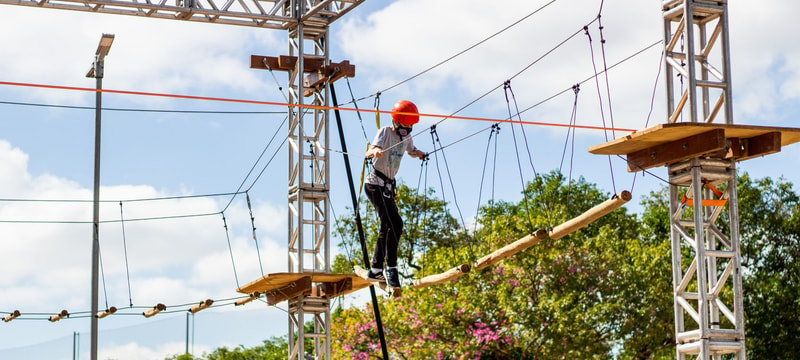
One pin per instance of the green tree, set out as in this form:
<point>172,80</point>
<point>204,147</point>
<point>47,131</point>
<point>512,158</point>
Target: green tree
<point>583,296</point>
<point>602,292</point>
<point>273,349</point>
<point>427,223</point>
<point>769,223</point>
<point>770,230</point>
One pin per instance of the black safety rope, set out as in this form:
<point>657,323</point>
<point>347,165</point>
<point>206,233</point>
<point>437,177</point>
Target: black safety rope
<point>255,239</point>
<point>495,127</point>
<point>600,97</point>
<point>241,185</point>
<point>125,249</point>
<point>506,88</point>
<point>494,161</point>
<point>435,138</point>
<point>230,249</point>
<point>358,113</point>
<point>460,52</point>
<point>605,72</point>
<point>103,277</point>
<point>359,226</point>
<point>423,169</point>
<point>571,130</point>
<point>652,105</point>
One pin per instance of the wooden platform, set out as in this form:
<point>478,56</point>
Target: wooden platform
<point>282,286</point>
<point>668,143</point>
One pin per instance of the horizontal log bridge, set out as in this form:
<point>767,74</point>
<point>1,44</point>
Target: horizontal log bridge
<point>446,276</point>
<point>590,215</point>
<point>518,246</point>
<point>556,233</point>
<point>511,249</point>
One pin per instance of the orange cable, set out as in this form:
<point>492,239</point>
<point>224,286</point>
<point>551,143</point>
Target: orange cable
<point>316,107</point>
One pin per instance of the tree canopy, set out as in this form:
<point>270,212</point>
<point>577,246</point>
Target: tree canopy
<point>602,292</point>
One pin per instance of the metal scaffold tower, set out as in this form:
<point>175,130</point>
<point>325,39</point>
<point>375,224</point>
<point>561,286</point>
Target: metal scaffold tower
<point>708,296</point>
<point>306,22</point>
<point>700,146</point>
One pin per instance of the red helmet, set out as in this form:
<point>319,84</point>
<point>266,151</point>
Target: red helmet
<point>405,113</point>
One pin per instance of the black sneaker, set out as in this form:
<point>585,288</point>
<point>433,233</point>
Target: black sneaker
<point>392,278</point>
<point>375,276</point>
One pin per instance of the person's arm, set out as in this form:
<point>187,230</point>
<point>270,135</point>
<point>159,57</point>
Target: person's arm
<point>374,151</point>
<point>417,153</point>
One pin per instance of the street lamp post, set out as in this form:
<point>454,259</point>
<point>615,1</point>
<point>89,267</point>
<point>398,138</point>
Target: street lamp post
<point>97,72</point>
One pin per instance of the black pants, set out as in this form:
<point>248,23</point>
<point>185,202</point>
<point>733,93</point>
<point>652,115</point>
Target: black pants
<point>391,225</point>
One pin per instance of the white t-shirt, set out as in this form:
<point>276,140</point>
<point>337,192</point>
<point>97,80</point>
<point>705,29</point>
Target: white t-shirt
<point>389,164</point>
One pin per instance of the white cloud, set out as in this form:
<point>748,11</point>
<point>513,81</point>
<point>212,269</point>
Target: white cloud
<point>392,48</point>
<point>134,351</point>
<point>149,55</point>
<point>173,261</point>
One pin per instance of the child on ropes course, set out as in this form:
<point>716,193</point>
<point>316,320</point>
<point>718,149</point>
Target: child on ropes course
<point>387,150</point>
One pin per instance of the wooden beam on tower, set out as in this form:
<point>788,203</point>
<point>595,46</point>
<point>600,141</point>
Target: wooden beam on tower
<point>672,152</point>
<point>319,73</point>
<point>761,145</point>
<point>333,289</point>
<point>299,287</point>
<point>665,144</point>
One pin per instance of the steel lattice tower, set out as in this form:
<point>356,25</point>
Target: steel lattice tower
<point>309,235</point>
<point>704,221</point>
<point>307,23</point>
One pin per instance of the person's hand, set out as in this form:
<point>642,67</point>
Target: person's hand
<point>375,152</point>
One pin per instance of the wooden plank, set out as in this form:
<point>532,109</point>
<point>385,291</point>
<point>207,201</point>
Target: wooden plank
<point>674,151</point>
<point>590,215</point>
<point>299,287</point>
<point>444,277</point>
<point>286,62</point>
<point>273,281</point>
<point>511,249</point>
<point>333,289</point>
<point>664,133</point>
<point>761,145</point>
<point>264,62</point>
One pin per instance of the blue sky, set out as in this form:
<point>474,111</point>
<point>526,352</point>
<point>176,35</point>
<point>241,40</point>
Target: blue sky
<point>46,152</point>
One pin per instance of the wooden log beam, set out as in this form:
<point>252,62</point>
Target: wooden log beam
<point>590,215</point>
<point>155,310</point>
<point>248,299</point>
<point>11,316</point>
<point>201,306</point>
<point>59,316</point>
<point>510,249</point>
<point>110,311</point>
<point>446,276</point>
